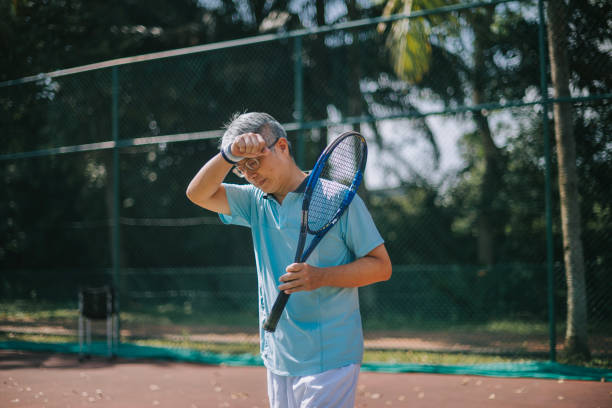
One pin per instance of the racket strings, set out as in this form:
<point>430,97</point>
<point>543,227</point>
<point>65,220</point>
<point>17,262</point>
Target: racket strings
<point>334,183</point>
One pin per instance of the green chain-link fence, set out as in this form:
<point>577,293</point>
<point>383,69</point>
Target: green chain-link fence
<point>95,161</point>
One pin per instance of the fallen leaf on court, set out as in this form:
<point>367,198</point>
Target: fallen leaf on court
<point>479,382</point>
<point>465,381</point>
<point>156,402</point>
<point>15,400</point>
<point>560,397</point>
<point>401,398</point>
<point>421,395</point>
<point>218,389</point>
<point>492,396</point>
<point>519,390</point>
<point>375,395</point>
<point>154,387</point>
<point>561,381</point>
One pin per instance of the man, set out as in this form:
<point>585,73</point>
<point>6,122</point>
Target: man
<point>313,357</point>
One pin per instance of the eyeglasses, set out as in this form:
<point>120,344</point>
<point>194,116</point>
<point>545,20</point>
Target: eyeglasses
<point>250,164</point>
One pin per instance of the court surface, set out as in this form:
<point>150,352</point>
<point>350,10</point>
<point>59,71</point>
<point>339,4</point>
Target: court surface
<point>32,379</point>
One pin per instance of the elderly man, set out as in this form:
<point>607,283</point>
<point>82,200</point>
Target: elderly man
<point>313,357</point>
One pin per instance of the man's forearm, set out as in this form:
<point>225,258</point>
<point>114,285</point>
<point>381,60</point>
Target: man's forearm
<point>372,268</point>
<point>205,188</point>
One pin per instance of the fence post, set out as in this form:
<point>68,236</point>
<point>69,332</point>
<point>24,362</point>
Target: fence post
<point>548,194</point>
<point>298,101</point>
<point>116,225</point>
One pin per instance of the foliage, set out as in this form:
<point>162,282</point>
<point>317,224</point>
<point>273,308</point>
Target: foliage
<point>409,41</point>
<point>56,212</point>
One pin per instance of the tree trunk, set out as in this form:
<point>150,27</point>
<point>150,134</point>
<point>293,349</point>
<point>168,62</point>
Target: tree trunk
<point>489,189</point>
<point>320,17</point>
<point>490,185</point>
<point>576,340</point>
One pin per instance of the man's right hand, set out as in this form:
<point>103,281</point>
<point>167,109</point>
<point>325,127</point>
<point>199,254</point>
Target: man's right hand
<point>249,145</point>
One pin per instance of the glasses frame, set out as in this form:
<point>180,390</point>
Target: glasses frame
<point>255,163</point>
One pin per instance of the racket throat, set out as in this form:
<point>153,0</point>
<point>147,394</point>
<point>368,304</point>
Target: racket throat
<point>302,238</point>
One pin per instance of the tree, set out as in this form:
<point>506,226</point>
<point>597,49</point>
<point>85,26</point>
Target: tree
<point>422,57</point>
<point>481,21</point>
<point>576,338</point>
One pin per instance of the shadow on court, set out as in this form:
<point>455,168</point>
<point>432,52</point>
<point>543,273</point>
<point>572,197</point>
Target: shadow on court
<point>32,379</point>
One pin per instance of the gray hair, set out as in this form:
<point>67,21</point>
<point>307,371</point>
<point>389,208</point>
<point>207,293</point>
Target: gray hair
<point>252,122</point>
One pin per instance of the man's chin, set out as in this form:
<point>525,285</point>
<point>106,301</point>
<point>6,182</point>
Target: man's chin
<point>261,184</point>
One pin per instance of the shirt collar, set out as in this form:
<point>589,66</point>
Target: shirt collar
<point>300,189</point>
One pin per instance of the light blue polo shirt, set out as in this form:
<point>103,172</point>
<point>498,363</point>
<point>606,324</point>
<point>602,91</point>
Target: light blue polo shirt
<point>321,329</point>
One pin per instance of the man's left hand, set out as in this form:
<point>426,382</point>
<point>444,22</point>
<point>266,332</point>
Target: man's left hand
<point>301,277</point>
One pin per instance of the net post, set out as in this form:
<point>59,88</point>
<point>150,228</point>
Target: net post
<point>116,232</point>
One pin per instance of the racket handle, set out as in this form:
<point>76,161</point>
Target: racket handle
<point>276,313</point>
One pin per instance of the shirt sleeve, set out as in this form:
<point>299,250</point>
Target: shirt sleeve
<point>240,198</point>
<point>361,234</point>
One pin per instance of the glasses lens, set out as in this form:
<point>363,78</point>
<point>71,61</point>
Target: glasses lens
<point>249,165</point>
<point>252,164</point>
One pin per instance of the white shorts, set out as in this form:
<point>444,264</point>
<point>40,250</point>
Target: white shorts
<point>330,389</point>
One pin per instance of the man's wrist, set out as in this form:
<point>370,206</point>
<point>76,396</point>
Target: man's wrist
<point>226,152</point>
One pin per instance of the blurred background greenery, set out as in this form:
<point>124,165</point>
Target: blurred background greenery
<point>450,100</point>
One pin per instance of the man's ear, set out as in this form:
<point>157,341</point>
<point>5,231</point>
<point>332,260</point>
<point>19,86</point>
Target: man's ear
<point>283,145</point>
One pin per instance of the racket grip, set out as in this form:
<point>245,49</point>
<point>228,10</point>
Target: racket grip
<point>276,313</point>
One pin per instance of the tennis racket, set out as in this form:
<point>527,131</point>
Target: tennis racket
<point>331,186</point>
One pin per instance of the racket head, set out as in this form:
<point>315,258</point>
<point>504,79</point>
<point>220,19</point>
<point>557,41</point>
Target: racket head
<point>334,181</point>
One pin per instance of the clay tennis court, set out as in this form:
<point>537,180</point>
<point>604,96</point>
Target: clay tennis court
<point>35,379</point>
